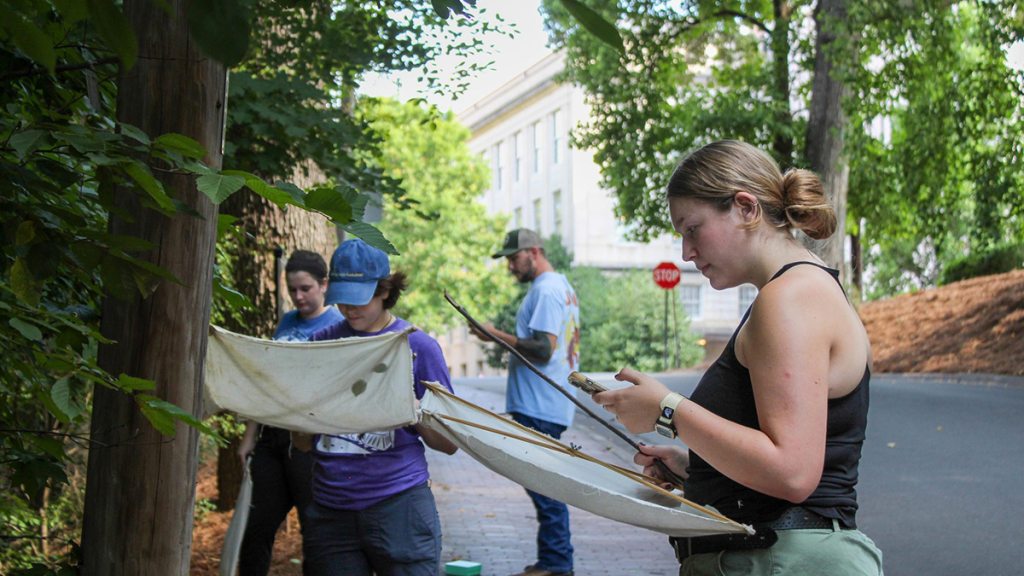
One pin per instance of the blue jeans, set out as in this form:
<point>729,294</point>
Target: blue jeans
<point>554,550</point>
<point>400,536</point>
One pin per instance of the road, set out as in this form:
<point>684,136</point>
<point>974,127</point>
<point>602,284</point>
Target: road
<point>942,476</point>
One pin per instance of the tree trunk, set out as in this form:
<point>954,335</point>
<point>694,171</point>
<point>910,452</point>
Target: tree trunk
<point>826,126</point>
<point>783,141</point>
<point>141,485</point>
<point>857,265</point>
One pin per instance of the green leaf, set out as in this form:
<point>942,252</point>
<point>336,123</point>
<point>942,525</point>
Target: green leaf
<point>134,133</point>
<point>151,185</point>
<point>234,299</point>
<point>225,223</point>
<point>445,8</point>
<point>127,243</point>
<point>181,144</point>
<point>162,414</point>
<point>330,202</point>
<point>221,28</point>
<point>297,194</point>
<point>160,419</point>
<point>26,232</point>
<point>116,31</point>
<point>28,38</point>
<point>131,383</point>
<point>48,445</point>
<point>24,143</point>
<point>71,11</point>
<point>279,197</point>
<point>595,23</point>
<point>27,330</point>
<point>371,236</point>
<point>218,186</point>
<point>150,268</point>
<point>23,284</point>
<point>60,393</point>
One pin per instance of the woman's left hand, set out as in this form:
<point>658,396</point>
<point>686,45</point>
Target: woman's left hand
<point>637,406</point>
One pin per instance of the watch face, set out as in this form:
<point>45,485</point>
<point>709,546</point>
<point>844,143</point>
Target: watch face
<point>665,431</point>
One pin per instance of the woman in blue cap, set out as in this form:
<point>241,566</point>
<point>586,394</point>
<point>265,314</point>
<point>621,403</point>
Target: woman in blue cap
<point>372,509</point>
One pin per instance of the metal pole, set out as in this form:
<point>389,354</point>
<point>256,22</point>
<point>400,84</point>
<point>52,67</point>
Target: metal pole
<point>666,330</point>
<point>278,297</point>
<point>675,327</point>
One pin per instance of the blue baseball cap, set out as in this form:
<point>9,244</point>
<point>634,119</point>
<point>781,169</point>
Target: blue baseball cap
<point>356,267</point>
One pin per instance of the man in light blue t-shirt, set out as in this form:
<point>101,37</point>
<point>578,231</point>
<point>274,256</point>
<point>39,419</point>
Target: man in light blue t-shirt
<point>547,334</point>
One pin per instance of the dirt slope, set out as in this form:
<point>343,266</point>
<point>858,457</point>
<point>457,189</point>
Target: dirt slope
<point>973,326</point>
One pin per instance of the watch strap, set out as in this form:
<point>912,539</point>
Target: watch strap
<point>668,409</point>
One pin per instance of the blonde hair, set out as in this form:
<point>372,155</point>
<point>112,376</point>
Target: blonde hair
<point>717,171</point>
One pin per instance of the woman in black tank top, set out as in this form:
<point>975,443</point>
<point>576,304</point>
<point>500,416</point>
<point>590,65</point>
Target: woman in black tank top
<point>776,425</point>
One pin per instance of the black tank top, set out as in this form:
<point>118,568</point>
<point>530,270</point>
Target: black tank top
<point>725,389</point>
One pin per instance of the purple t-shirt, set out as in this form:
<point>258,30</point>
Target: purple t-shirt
<point>356,471</point>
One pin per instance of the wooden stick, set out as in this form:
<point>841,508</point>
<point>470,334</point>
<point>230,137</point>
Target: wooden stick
<point>670,476</point>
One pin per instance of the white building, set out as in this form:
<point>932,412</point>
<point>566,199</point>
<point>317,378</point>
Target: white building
<point>522,130</point>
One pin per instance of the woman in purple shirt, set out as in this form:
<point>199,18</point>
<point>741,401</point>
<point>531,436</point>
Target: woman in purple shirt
<point>372,509</point>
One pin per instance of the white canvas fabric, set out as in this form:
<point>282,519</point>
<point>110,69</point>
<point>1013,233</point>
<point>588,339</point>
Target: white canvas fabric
<point>346,386</point>
<point>542,464</point>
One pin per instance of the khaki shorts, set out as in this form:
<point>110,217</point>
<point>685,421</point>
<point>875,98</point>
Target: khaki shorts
<point>815,551</point>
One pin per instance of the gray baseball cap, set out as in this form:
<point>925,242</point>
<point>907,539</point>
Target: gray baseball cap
<point>519,239</point>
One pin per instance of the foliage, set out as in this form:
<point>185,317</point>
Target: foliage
<point>623,323</point>
<point>291,98</point>
<point>994,260</point>
<point>690,73</point>
<point>937,169</point>
<point>447,241</point>
<point>62,154</point>
<point>944,176</point>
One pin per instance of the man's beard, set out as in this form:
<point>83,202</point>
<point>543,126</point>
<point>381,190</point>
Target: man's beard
<point>526,276</point>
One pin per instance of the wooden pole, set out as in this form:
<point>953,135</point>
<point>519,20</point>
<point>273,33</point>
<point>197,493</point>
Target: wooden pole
<point>141,485</point>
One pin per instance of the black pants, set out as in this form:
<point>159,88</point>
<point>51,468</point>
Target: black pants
<point>281,479</point>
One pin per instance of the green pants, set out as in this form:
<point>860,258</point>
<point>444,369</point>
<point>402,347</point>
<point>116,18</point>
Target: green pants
<point>799,552</point>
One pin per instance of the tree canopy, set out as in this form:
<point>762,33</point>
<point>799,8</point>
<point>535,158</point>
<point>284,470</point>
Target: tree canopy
<point>446,240</point>
<point>65,158</point>
<point>937,180</point>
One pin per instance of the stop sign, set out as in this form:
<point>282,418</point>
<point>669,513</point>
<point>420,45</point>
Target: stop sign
<point>666,275</point>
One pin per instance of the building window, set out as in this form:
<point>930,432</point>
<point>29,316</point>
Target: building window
<point>517,155</point>
<point>556,137</point>
<point>747,295</point>
<point>537,214</point>
<point>498,164</point>
<point>536,146</point>
<point>691,297</point>
<point>556,212</point>
<point>517,217</point>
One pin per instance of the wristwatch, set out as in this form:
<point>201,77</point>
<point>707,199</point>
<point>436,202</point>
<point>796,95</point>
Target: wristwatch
<point>664,425</point>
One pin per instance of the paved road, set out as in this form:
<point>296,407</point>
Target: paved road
<point>941,489</point>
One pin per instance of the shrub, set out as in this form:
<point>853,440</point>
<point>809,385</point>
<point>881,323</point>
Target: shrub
<point>996,259</point>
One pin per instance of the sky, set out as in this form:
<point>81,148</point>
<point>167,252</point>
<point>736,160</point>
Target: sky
<point>512,56</point>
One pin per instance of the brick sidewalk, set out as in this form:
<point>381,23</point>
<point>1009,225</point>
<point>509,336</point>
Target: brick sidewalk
<point>489,519</point>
